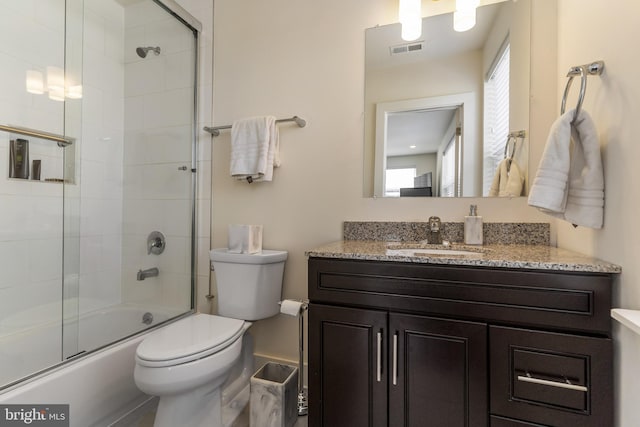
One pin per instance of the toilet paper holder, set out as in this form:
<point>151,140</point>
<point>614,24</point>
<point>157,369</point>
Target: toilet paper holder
<point>286,308</point>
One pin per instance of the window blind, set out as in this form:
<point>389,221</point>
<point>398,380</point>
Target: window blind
<point>496,126</point>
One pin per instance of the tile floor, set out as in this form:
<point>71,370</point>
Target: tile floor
<point>146,420</point>
<point>243,420</point>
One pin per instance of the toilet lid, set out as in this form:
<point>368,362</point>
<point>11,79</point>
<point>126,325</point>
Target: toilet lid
<point>189,339</point>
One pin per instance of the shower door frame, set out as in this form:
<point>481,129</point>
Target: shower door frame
<point>195,26</point>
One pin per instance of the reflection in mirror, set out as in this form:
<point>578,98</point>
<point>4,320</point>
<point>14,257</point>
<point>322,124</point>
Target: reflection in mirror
<point>452,96</point>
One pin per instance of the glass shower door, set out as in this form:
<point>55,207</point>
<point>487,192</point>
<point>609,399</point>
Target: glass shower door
<point>135,172</point>
<point>32,91</point>
<point>108,89</point>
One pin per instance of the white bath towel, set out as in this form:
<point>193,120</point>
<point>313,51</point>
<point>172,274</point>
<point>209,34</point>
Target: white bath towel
<point>255,148</point>
<point>508,180</point>
<point>569,183</point>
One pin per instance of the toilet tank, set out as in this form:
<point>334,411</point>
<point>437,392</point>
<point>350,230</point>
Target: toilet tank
<point>249,285</point>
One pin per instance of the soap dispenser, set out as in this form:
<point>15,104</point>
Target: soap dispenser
<point>473,227</point>
<point>19,158</point>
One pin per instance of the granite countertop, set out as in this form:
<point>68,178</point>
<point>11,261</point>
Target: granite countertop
<point>536,257</point>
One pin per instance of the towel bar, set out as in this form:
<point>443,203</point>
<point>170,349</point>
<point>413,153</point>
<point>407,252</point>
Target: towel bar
<point>62,141</point>
<point>215,131</point>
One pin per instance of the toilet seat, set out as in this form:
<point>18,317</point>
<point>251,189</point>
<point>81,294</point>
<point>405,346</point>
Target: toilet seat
<point>189,339</point>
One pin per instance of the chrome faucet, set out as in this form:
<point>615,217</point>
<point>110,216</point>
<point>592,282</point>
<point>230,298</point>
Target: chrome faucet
<point>149,272</point>
<point>433,234</point>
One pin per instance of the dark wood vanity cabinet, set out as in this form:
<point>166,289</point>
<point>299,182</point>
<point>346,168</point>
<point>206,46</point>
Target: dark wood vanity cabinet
<point>420,345</point>
<point>376,368</point>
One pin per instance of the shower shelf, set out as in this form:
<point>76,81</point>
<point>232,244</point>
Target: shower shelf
<point>41,181</point>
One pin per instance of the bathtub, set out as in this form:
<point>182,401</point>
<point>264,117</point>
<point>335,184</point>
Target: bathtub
<point>98,386</point>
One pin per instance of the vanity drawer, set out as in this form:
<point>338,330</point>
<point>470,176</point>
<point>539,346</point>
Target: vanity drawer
<point>554,300</point>
<point>550,378</point>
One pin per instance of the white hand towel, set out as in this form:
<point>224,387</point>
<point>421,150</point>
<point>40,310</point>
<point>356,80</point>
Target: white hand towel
<point>255,148</point>
<point>569,183</point>
<point>508,180</point>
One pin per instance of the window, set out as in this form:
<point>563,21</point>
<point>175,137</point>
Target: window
<point>448,180</point>
<point>496,122</point>
<point>395,179</point>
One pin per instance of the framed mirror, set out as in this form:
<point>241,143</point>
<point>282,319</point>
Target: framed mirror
<point>439,110</point>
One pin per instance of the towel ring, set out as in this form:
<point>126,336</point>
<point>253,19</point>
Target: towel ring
<point>583,89</point>
<point>595,68</point>
<point>508,157</point>
<point>506,147</point>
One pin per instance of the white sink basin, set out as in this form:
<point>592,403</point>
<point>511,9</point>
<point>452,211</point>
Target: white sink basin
<point>432,252</point>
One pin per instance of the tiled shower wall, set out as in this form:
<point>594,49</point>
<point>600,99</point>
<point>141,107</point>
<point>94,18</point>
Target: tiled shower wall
<point>101,169</point>
<point>31,37</point>
<point>158,124</point>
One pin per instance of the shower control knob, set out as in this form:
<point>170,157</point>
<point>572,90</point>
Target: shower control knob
<point>156,243</point>
<point>183,168</point>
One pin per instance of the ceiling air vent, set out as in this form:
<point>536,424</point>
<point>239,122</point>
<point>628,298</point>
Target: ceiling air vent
<point>406,48</point>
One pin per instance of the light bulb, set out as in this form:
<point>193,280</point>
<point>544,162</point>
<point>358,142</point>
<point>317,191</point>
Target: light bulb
<point>74,92</point>
<point>35,82</point>
<point>464,20</point>
<point>56,93</point>
<point>465,5</point>
<point>55,79</point>
<point>410,16</point>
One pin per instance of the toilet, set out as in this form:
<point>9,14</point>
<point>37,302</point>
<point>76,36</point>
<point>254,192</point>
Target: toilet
<point>188,363</point>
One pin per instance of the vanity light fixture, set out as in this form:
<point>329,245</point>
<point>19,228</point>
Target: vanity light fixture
<point>464,18</point>
<point>410,16</point>
<point>57,86</point>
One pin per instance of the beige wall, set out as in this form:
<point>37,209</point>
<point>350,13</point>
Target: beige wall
<point>286,57</point>
<point>613,100</point>
<point>283,58</point>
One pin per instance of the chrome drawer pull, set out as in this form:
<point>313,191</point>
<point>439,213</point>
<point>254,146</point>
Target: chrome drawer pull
<point>379,356</point>
<point>395,358</point>
<point>529,379</point>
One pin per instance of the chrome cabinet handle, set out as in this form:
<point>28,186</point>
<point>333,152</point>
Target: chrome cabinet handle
<point>379,358</point>
<point>530,379</point>
<point>395,358</point>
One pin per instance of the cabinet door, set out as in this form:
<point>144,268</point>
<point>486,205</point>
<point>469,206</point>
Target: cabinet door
<point>437,372</point>
<point>347,367</point>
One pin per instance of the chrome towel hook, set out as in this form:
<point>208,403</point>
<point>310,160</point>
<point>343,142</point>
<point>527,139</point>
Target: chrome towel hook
<point>593,69</point>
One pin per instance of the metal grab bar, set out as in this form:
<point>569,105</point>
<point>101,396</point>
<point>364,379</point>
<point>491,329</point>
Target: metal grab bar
<point>593,69</point>
<point>62,141</point>
<point>215,131</point>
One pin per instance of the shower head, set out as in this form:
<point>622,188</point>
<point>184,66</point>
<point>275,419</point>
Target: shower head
<point>142,51</point>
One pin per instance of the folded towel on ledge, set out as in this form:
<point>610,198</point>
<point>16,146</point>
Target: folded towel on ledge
<point>508,180</point>
<point>569,183</point>
<point>255,148</point>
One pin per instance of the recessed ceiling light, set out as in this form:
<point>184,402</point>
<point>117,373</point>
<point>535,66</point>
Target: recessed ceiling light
<point>412,146</point>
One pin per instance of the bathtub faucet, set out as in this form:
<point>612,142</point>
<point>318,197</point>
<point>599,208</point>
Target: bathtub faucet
<point>149,272</point>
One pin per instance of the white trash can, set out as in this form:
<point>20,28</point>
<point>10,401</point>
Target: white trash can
<point>274,394</point>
